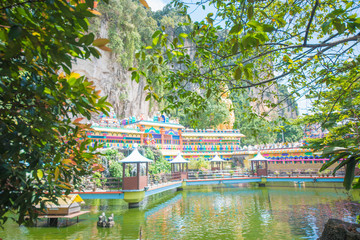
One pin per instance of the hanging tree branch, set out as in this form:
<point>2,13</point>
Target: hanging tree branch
<point>311,18</point>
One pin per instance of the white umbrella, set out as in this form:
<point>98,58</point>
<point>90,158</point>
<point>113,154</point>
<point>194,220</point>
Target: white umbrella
<point>179,159</point>
<point>217,158</point>
<point>135,157</point>
<point>259,157</point>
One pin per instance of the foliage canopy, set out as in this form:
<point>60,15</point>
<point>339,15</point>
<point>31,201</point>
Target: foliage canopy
<point>43,149</point>
<point>338,112</point>
<point>310,46</point>
<point>246,44</point>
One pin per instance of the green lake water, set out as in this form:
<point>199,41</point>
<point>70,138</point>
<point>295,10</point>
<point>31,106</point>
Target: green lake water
<point>209,212</point>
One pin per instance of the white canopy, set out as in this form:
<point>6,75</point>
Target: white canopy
<point>217,158</point>
<point>179,159</point>
<point>259,157</point>
<point>135,157</point>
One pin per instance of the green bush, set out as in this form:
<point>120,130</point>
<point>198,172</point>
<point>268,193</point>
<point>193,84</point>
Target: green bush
<point>115,169</point>
<point>113,157</point>
<point>200,164</point>
<point>160,166</point>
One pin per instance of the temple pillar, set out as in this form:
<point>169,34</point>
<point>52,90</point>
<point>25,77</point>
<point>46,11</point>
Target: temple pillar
<point>162,137</point>
<point>180,140</point>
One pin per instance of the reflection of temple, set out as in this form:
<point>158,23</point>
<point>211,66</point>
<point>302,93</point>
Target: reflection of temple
<point>245,213</point>
<point>170,137</point>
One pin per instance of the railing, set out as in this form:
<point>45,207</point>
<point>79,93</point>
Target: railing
<point>308,173</point>
<point>114,183</point>
<point>207,174</point>
<point>159,179</point>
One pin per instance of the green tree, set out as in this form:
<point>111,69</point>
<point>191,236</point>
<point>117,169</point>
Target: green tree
<point>113,157</point>
<point>129,27</point>
<point>199,164</point>
<point>245,43</point>
<point>43,146</point>
<point>159,166</point>
<point>256,129</point>
<point>309,45</point>
<point>338,111</point>
<point>289,132</point>
<point>215,113</point>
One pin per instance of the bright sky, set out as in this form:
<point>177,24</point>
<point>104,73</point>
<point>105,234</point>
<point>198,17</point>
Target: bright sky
<point>156,5</point>
<point>196,13</point>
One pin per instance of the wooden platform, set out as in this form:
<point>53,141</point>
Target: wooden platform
<point>64,216</point>
<point>53,220</point>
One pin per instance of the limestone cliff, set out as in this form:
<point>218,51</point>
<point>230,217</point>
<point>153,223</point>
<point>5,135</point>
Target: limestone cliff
<point>109,76</point>
<point>273,94</point>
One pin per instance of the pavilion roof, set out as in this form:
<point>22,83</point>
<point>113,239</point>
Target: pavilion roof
<point>179,159</point>
<point>259,157</point>
<point>217,158</point>
<point>135,157</point>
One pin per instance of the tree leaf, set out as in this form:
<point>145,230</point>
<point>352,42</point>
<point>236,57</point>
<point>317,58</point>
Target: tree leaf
<point>332,161</point>
<point>57,172</point>
<point>100,42</point>
<point>144,3</point>
<point>331,150</point>
<point>156,33</point>
<point>350,173</point>
<point>183,35</point>
<point>235,48</point>
<point>78,120</point>
<point>237,73</point>
<point>15,32</point>
<point>268,28</point>
<point>105,48</point>
<point>236,29</point>
<point>155,40</point>
<point>95,12</point>
<point>40,173</point>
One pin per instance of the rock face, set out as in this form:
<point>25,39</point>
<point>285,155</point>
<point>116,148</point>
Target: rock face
<point>126,96</point>
<point>339,230</point>
<point>265,94</point>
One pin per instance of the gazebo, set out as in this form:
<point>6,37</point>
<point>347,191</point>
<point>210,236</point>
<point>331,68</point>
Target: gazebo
<point>217,163</point>
<point>135,171</point>
<point>260,163</point>
<point>178,169</point>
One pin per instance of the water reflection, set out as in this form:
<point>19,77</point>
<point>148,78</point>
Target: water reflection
<point>209,212</point>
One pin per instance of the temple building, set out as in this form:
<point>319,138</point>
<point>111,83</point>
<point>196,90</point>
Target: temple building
<point>170,138</point>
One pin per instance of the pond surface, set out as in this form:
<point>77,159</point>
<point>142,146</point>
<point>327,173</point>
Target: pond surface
<point>209,212</point>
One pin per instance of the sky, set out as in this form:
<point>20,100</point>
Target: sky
<point>156,5</point>
<point>196,13</point>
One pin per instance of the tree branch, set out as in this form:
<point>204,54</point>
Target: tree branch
<point>311,18</point>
